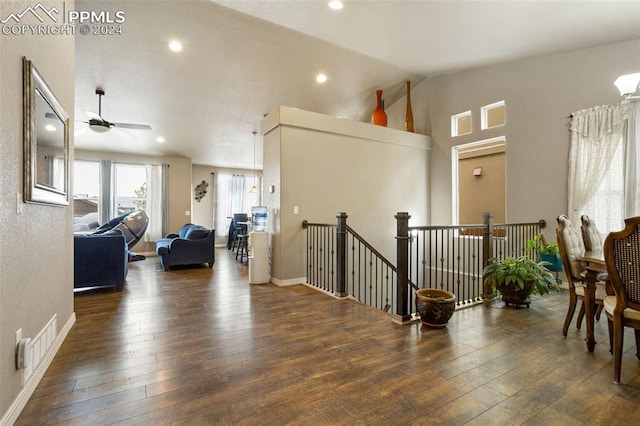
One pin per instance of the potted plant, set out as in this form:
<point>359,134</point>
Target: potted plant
<point>435,306</point>
<point>516,278</point>
<point>546,252</point>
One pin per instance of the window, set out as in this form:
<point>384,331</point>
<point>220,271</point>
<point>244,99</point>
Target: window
<point>130,191</point>
<point>140,187</point>
<point>492,115</point>
<point>86,195</point>
<point>606,205</point>
<point>602,166</point>
<point>233,196</point>
<point>461,124</point>
<point>86,187</point>
<point>124,188</point>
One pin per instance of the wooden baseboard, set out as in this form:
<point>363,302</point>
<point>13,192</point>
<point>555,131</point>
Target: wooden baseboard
<point>291,281</point>
<point>21,400</point>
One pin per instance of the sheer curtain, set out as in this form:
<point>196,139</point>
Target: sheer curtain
<point>632,162</point>
<point>233,196</point>
<point>238,191</point>
<point>55,172</point>
<point>595,155</point>
<point>230,194</point>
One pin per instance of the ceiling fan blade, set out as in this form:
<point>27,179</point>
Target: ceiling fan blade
<point>79,130</point>
<point>132,126</point>
<point>124,132</point>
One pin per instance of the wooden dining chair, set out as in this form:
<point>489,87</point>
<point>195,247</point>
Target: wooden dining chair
<point>571,248</point>
<point>591,237</point>
<point>622,256</point>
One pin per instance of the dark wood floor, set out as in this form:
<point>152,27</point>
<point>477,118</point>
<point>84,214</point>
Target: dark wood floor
<point>201,346</point>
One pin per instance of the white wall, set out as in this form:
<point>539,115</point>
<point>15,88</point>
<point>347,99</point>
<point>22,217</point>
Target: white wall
<point>36,248</point>
<point>202,213</point>
<point>540,95</point>
<point>324,165</point>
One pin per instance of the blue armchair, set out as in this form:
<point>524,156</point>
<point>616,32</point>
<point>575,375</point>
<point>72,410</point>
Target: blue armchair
<point>193,244</point>
<point>100,260</point>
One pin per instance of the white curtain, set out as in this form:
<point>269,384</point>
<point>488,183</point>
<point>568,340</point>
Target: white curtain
<point>223,204</point>
<point>155,203</point>
<point>233,196</point>
<point>596,146</point>
<point>238,192</point>
<point>632,162</point>
<point>55,172</point>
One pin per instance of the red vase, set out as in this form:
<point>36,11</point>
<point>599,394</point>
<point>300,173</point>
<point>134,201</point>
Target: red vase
<point>379,116</point>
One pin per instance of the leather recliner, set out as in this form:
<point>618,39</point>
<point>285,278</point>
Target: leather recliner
<point>192,245</point>
<point>100,260</point>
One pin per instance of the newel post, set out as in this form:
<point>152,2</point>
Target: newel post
<point>402,313</point>
<point>341,255</point>
<point>487,250</point>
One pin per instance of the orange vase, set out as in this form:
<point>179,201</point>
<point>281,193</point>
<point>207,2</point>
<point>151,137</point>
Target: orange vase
<point>379,116</point>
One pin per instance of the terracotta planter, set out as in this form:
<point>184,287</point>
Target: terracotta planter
<point>435,306</point>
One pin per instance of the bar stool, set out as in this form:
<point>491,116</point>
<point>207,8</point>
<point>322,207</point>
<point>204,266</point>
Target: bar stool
<point>236,228</point>
<point>241,246</point>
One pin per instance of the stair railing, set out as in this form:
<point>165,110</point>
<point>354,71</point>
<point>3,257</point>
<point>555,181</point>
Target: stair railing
<point>344,264</point>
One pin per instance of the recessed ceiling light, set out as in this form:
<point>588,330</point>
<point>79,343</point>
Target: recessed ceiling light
<point>50,127</point>
<point>336,4</point>
<point>160,139</point>
<point>321,78</point>
<point>175,45</point>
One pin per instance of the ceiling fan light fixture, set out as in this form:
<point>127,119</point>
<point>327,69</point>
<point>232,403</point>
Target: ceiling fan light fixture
<point>98,128</point>
<point>628,84</point>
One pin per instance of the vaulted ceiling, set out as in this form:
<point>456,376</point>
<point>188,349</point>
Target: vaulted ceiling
<point>241,59</point>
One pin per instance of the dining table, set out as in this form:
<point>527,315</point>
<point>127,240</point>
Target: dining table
<point>594,265</point>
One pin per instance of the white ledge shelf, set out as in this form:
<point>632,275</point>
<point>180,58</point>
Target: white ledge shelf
<point>293,117</point>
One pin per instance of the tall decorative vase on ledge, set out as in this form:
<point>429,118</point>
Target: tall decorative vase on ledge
<point>408,123</point>
<point>379,116</point>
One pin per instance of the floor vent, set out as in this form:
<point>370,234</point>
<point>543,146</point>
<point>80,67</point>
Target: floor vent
<point>40,345</point>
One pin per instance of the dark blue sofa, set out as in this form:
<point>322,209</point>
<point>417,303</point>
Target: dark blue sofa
<point>100,260</point>
<point>192,245</point>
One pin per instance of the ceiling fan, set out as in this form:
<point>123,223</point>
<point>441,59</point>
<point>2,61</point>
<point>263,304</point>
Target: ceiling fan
<point>99,124</point>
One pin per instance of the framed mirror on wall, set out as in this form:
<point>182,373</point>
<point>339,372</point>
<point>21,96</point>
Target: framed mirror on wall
<point>46,141</point>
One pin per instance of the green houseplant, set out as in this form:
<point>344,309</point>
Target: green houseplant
<point>516,278</point>
<point>546,252</point>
